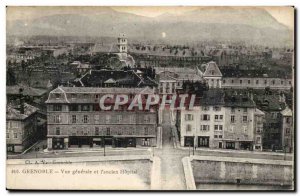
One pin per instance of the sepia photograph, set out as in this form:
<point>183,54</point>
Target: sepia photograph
<point>150,98</point>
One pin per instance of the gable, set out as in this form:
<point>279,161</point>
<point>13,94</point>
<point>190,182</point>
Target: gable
<point>212,70</point>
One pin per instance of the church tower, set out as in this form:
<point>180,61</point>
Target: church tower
<point>122,43</point>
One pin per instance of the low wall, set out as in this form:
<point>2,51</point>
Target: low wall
<point>156,174</point>
<point>242,170</point>
<point>188,173</point>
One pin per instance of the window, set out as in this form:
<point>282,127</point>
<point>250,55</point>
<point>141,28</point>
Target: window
<point>245,119</point>
<point>257,81</point>
<point>85,96</point>
<point>281,82</point>
<point>189,117</point>
<point>221,117</point>
<point>57,119</point>
<point>15,135</point>
<point>203,141</point>
<point>258,140</point>
<point>232,119</point>
<point>232,110</point>
<point>132,119</point>
<point>205,108</point>
<point>215,136</point>
<point>108,131</point>
<point>57,108</point>
<point>224,81</point>
<point>204,127</point>
<point>241,81</point>
<point>96,130</point>
<point>265,81</point>
<point>119,118</point>
<point>85,118</point>
<point>85,108</point>
<point>57,131</point>
<point>146,119</point>
<point>14,124</point>
<point>220,136</point>
<point>245,110</point>
<point>287,131</point>
<point>74,120</point>
<point>73,96</point>
<point>7,135</point>
<point>248,81</point>
<point>288,120</point>
<point>273,82</point>
<point>290,82</point>
<point>218,127</point>
<point>107,118</point>
<point>205,117</point>
<point>57,96</point>
<point>216,117</point>
<point>96,107</point>
<point>146,130</point>
<point>188,128</point>
<point>232,81</point>
<point>73,107</point>
<point>217,108</point>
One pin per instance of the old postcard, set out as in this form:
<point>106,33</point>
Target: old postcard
<point>150,98</point>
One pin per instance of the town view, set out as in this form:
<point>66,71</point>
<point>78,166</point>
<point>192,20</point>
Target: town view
<point>201,100</point>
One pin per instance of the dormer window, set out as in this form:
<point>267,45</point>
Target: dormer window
<point>57,96</point>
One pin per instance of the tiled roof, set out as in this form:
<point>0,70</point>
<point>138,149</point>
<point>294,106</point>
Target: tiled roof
<point>27,90</point>
<point>287,112</point>
<point>96,78</point>
<point>14,114</point>
<point>112,90</point>
<point>257,73</point>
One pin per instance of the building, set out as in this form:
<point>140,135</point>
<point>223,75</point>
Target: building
<point>256,79</point>
<point>222,119</point>
<point>171,79</point>
<point>236,78</point>
<point>212,74</point>
<point>272,104</point>
<point>21,127</point>
<point>76,120</point>
<point>287,130</point>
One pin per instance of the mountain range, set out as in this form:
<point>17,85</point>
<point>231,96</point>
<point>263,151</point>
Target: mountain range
<point>252,25</point>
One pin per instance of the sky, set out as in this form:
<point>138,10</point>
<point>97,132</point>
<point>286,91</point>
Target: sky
<point>284,15</point>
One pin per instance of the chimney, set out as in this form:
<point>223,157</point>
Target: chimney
<point>21,101</point>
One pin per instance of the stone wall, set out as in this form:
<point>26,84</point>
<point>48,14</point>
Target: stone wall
<point>241,170</point>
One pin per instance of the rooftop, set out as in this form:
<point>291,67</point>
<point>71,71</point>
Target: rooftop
<point>12,113</point>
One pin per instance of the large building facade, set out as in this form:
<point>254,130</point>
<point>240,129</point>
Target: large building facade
<point>222,121</point>
<point>76,120</point>
<point>21,127</point>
